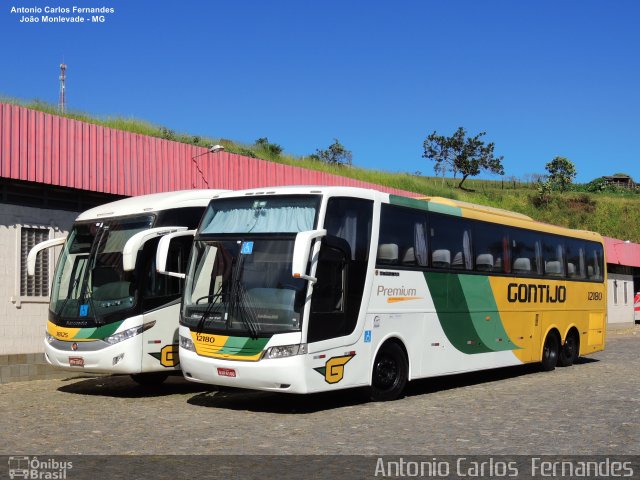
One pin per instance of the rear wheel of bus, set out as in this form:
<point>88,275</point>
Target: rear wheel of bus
<point>550,351</point>
<point>570,350</point>
<point>390,373</point>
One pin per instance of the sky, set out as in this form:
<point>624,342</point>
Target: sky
<point>542,78</point>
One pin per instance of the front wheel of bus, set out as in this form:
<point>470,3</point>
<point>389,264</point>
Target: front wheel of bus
<point>550,352</point>
<point>390,372</point>
<point>150,379</point>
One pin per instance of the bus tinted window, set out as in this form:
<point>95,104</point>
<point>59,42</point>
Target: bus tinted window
<point>489,246</point>
<point>525,252</point>
<point>575,252</point>
<point>553,256</point>
<point>350,219</point>
<point>450,243</point>
<point>595,262</point>
<point>403,239</point>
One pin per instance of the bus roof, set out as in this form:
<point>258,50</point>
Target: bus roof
<point>151,203</point>
<point>475,206</point>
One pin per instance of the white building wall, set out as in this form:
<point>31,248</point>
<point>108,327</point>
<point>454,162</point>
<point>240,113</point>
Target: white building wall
<point>23,319</point>
<point>619,304</point>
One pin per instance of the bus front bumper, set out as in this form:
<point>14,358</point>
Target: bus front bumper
<point>96,357</point>
<point>275,375</point>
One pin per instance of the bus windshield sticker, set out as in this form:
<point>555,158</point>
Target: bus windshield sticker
<point>247,248</point>
<point>84,310</point>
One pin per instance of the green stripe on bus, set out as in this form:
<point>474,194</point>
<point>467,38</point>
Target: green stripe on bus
<point>243,346</point>
<point>424,205</point>
<point>453,312</point>
<point>98,333</point>
<point>481,302</point>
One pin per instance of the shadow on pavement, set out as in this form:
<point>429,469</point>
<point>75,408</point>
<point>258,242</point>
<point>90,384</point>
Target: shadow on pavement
<point>268,402</point>
<point>122,386</point>
<point>271,402</point>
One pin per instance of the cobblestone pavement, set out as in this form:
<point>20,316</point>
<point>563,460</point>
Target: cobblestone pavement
<point>590,408</point>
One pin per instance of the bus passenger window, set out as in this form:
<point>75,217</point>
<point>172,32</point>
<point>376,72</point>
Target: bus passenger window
<point>525,252</point>
<point>450,242</point>
<point>488,245</point>
<point>575,251</point>
<point>553,255</point>
<point>402,240</point>
<point>595,267</point>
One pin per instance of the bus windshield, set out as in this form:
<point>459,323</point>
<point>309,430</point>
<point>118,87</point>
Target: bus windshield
<point>90,283</point>
<point>239,278</point>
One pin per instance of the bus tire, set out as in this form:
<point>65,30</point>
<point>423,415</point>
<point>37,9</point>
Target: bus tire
<point>550,352</point>
<point>390,373</point>
<point>150,379</point>
<point>570,350</point>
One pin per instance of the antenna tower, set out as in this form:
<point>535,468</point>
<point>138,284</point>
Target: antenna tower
<point>61,100</point>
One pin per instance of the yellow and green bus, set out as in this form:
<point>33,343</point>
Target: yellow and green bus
<point>308,289</point>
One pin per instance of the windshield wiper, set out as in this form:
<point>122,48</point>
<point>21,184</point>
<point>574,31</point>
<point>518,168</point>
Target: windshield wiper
<point>239,303</point>
<point>210,307</point>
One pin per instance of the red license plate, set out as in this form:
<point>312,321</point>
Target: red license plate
<point>76,362</point>
<point>226,372</point>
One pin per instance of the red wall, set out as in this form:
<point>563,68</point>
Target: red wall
<point>620,252</point>
<point>40,147</point>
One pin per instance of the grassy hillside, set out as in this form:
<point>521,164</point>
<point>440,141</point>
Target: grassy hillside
<point>612,214</point>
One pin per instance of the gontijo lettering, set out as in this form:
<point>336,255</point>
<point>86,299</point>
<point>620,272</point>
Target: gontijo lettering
<point>529,293</point>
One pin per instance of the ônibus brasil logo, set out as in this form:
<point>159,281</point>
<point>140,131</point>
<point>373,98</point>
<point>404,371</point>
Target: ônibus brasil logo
<point>32,467</point>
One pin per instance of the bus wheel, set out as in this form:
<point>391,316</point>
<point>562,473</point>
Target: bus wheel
<point>150,379</point>
<point>570,350</point>
<point>550,352</point>
<point>390,372</point>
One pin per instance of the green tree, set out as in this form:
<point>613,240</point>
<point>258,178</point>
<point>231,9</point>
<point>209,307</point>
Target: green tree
<point>562,171</point>
<point>273,148</point>
<point>459,153</point>
<point>335,154</point>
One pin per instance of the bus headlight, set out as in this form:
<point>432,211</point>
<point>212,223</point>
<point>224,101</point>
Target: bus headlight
<point>129,333</point>
<point>187,344</point>
<point>50,338</point>
<point>286,351</point>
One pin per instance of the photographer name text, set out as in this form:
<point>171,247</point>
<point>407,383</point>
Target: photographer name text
<point>58,14</point>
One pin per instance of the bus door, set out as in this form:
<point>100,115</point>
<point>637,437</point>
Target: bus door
<point>161,296</point>
<point>338,293</point>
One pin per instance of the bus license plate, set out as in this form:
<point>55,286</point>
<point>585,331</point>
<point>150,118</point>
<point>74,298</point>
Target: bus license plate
<point>76,362</point>
<point>226,372</point>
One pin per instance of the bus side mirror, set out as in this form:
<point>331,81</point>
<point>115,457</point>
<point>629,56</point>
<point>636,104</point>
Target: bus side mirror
<point>33,253</point>
<point>163,252</point>
<point>137,241</point>
<point>301,250</point>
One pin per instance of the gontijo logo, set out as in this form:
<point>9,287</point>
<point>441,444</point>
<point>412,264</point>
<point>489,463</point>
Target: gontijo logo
<point>396,294</point>
<point>333,369</point>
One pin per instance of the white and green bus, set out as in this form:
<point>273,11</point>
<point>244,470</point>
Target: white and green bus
<point>309,289</point>
<point>110,310</point>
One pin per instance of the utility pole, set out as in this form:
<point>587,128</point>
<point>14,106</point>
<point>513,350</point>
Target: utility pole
<point>61,99</point>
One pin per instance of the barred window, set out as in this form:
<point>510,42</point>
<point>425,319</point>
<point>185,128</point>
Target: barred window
<point>38,284</point>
